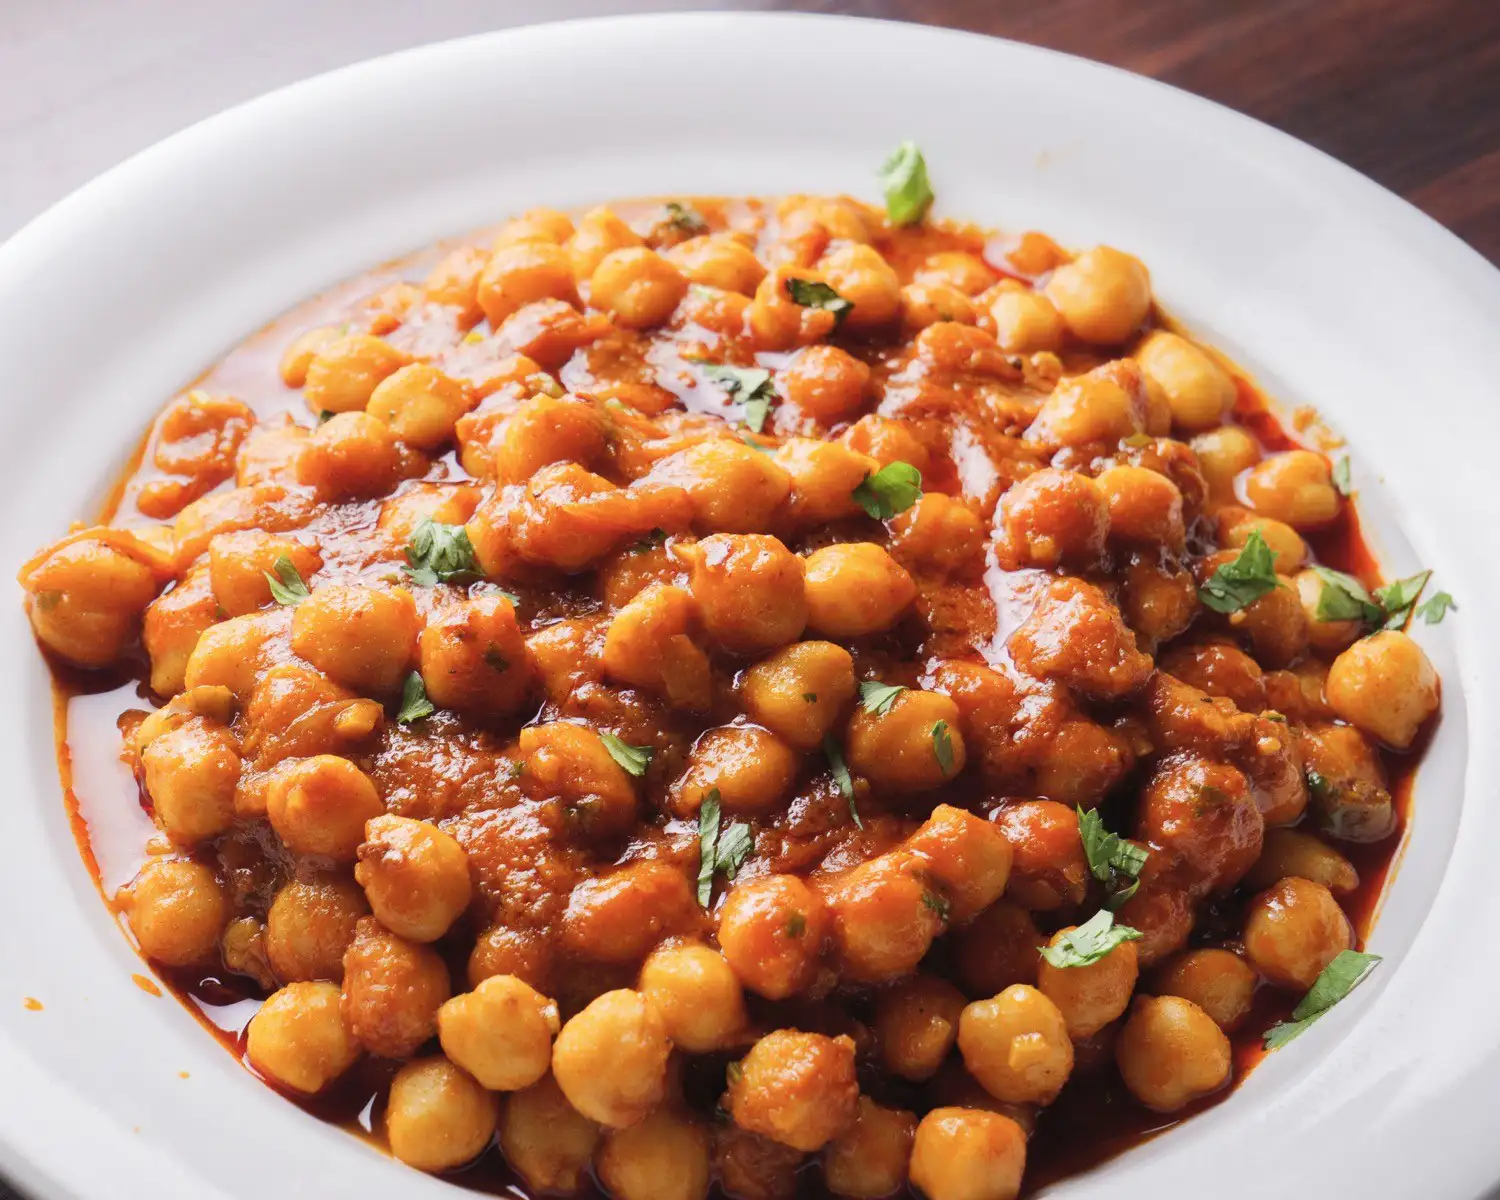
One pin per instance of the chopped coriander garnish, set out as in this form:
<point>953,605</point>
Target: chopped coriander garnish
<point>287,587</point>
<point>751,386</point>
<point>810,697</point>
<point>1243,580</point>
<point>891,490</point>
<point>684,217</point>
<point>841,775</point>
<point>635,759</point>
<point>1340,977</point>
<point>754,445</point>
<point>734,1073</point>
<point>1397,598</point>
<point>325,415</point>
<point>414,702</point>
<point>1321,787</point>
<point>1089,942</point>
<point>877,697</point>
<point>903,178</point>
<point>938,904</point>
<point>942,747</point>
<point>651,541</point>
<point>1341,476</point>
<point>440,553</point>
<point>810,293</point>
<point>796,925</point>
<point>719,849</point>
<point>1112,860</point>
<point>1344,598</point>
<point>1434,610</point>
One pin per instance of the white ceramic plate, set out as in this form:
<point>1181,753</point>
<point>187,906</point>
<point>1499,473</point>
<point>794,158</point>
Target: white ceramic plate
<point>1330,290</point>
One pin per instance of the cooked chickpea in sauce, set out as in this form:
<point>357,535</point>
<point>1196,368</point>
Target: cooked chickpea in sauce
<point>764,698</point>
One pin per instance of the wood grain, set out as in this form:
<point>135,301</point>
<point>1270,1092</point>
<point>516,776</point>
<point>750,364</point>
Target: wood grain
<point>1405,91</point>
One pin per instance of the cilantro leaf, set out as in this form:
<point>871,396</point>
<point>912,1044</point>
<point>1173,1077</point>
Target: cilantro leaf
<point>841,775</point>
<point>903,178</point>
<point>1112,860</point>
<point>287,587</point>
<point>1397,598</point>
<point>1243,580</point>
<point>1341,477</point>
<point>877,697</point>
<point>1089,942</point>
<point>810,293</point>
<point>657,537</point>
<point>751,386</point>
<point>440,553</point>
<point>684,217</point>
<point>635,759</point>
<point>1434,610</point>
<point>796,925</point>
<point>891,490</point>
<point>754,445</point>
<point>414,702</point>
<point>1344,598</point>
<point>938,904</point>
<point>942,747</point>
<point>720,848</point>
<point>1340,977</point>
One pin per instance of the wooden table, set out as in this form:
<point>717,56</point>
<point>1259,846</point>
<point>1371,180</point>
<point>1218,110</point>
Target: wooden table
<point>1407,91</point>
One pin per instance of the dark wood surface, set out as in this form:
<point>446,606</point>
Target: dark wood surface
<point>1405,91</point>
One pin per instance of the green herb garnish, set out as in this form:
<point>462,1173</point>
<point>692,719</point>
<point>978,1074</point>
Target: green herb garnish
<point>1434,610</point>
<point>1089,942</point>
<point>841,775</point>
<point>891,490</point>
<point>1397,598</point>
<point>1243,580</point>
<point>414,702</point>
<point>1344,598</point>
<point>810,293</point>
<point>1334,982</point>
<point>796,925</point>
<point>1341,477</point>
<point>719,849</point>
<point>942,747</point>
<point>751,386</point>
<point>635,759</point>
<point>684,217</point>
<point>440,553</point>
<point>1112,860</point>
<point>877,697</point>
<point>903,178</point>
<point>287,587</point>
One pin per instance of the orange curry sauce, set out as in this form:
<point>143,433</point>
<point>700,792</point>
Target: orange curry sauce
<point>1093,1119</point>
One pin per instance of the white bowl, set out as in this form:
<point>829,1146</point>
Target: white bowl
<point>1330,290</point>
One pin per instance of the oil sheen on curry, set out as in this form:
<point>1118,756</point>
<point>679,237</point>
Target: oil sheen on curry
<point>764,698</point>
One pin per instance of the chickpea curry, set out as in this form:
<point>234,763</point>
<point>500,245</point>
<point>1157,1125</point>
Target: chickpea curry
<point>764,697</point>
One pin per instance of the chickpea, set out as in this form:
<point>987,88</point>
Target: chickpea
<point>1026,321</point>
<point>1051,518</point>
<point>697,994</point>
<point>473,658</point>
<point>1285,543</point>
<point>507,950</point>
<point>1324,636</point>
<point>392,990</point>
<point>230,653</point>
<point>1144,507</point>
<point>1222,454</point>
<point>824,477</point>
<point>546,1140</point>
<point>1384,686</point>
<point>571,762</point>
<point>1170,1052</point>
<point>500,1033</point>
<point>1290,852</point>
<point>1158,600</point>
<point>826,383</point>
<point>1092,996</point>
<point>1352,802</point>
<point>343,373</point>
<point>903,748</point>
<point>1075,635</point>
<point>191,773</point>
<point>617,918</point>
<point>664,1157</point>
<point>455,282</point>
<point>600,232</point>
<point>800,691</point>
<point>855,589</point>
<point>868,1160</point>
<point>1048,868</point>
<point>777,321</point>
<point>751,1167</point>
<point>1017,1045</point>
<point>545,430</point>
<point>637,287</point>
<point>861,276</point>
<point>319,805</point>
<point>924,304</point>
<point>1293,930</point>
<point>772,930</point>
<point>733,488</point>
<point>421,405</point>
<point>968,855</point>
<point>350,456</point>
<point>172,626</point>
<point>968,1154</point>
<point>886,441</point>
<point>436,1116</point>
<point>1203,812</point>
<point>795,1088</point>
<point>298,1039</point>
<point>239,562</point>
<point>85,598</point>
<point>365,638</point>
<point>939,534</point>
<point>415,876</point>
<point>611,1059</point>
<point>916,1025</point>
<point>1273,623</point>
<point>1103,295</point>
<point>1294,486</point>
<point>750,592</point>
<point>1217,981</point>
<point>176,909</point>
<point>309,926</point>
<point>1105,405</point>
<point>750,768</point>
<point>522,273</point>
<point>1200,392</point>
<point>1000,947</point>
<point>537,225</point>
<point>649,645</point>
<point>300,352</point>
<point>886,914</point>
<point>718,260</point>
